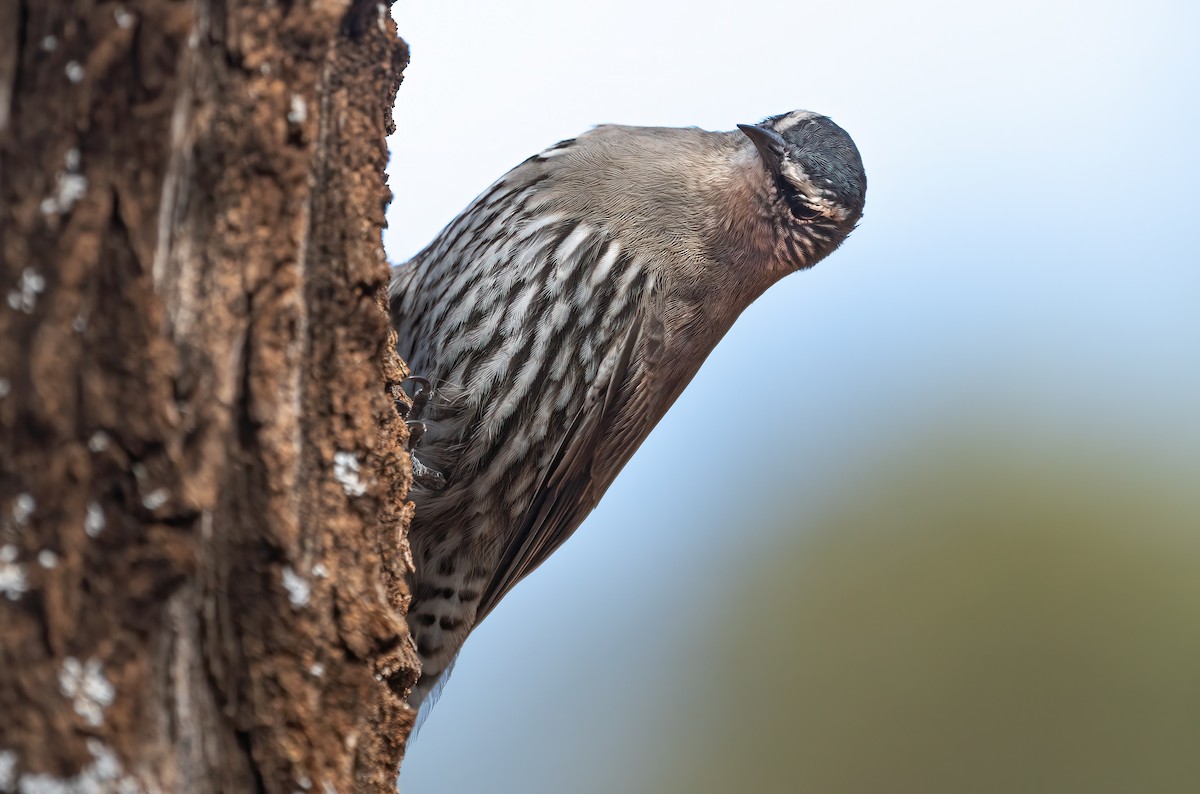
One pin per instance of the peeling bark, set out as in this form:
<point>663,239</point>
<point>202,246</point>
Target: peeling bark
<point>202,474</point>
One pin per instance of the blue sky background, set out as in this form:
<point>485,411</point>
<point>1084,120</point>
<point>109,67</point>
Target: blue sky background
<point>1027,267</point>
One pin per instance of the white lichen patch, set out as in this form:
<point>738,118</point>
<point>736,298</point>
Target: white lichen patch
<point>23,507</point>
<point>317,670</point>
<point>94,522</point>
<point>320,571</point>
<point>71,188</point>
<point>8,770</point>
<point>47,559</point>
<point>124,19</point>
<point>13,580</point>
<point>49,44</point>
<point>5,387</point>
<point>67,190</point>
<point>345,471</point>
<point>156,498</point>
<point>24,297</point>
<point>298,589</point>
<point>298,111</point>
<point>89,691</point>
<point>98,442</point>
<point>104,774</point>
<point>75,71</point>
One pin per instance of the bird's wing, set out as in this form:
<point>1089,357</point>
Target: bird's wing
<point>601,438</point>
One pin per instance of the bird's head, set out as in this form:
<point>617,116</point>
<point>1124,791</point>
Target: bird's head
<point>815,185</point>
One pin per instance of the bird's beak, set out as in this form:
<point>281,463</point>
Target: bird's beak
<point>770,144</point>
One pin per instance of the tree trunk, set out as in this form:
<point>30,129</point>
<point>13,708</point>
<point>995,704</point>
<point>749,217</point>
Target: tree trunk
<point>202,472</point>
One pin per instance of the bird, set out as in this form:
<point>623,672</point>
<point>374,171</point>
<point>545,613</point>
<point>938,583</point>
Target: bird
<point>559,316</point>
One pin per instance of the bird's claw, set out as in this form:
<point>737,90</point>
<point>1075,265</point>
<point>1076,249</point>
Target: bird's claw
<point>416,430</point>
<point>414,405</point>
<point>420,396</point>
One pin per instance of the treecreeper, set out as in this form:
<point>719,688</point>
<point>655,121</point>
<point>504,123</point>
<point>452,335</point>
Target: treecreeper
<point>557,318</point>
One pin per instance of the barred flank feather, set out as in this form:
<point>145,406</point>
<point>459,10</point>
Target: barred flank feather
<point>561,314</point>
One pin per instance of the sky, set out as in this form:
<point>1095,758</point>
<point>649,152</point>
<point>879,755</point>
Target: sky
<point>1027,263</point>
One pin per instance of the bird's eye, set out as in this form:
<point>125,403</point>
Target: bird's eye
<point>801,209</point>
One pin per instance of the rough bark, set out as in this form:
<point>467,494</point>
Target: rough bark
<point>202,474</point>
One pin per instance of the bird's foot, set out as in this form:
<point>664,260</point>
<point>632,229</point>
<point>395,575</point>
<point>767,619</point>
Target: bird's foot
<point>415,406</point>
<point>424,476</point>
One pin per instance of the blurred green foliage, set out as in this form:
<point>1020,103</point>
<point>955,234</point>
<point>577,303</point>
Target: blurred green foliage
<point>982,616</point>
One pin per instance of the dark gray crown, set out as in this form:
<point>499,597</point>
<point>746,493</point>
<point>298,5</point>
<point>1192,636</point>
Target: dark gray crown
<point>825,153</point>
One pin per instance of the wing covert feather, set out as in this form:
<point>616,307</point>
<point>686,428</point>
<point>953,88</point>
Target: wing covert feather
<point>583,466</point>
